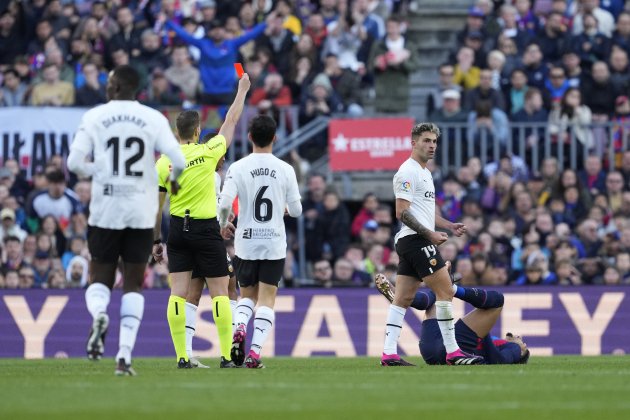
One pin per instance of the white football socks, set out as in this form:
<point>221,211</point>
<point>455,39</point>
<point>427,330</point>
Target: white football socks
<point>191,322</point>
<point>444,315</point>
<point>233,304</point>
<point>244,312</point>
<point>393,329</point>
<point>131,311</point>
<point>265,317</point>
<point>97,297</point>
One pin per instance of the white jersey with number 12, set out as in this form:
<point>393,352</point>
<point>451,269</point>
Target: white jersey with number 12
<point>124,136</point>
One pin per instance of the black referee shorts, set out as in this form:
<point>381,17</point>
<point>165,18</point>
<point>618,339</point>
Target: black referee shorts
<point>132,245</point>
<point>419,258</point>
<point>200,249</point>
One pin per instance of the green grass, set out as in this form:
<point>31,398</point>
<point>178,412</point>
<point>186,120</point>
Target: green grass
<point>547,388</point>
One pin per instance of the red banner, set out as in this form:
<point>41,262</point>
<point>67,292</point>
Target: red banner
<point>369,144</point>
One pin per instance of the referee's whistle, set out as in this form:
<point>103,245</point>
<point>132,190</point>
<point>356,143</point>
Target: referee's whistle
<point>186,221</point>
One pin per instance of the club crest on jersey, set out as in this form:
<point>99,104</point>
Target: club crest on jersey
<point>405,186</point>
<point>433,261</point>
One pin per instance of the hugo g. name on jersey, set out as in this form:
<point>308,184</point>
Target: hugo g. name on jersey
<point>264,185</point>
<point>123,137</point>
<point>414,183</point>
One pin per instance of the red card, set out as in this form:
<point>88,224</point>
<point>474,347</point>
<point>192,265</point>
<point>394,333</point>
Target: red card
<point>239,69</point>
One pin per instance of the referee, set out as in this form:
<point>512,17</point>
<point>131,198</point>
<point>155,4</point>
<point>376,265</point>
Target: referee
<point>194,239</point>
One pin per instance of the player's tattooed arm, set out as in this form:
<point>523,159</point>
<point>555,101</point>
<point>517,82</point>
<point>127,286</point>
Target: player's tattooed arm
<point>408,219</point>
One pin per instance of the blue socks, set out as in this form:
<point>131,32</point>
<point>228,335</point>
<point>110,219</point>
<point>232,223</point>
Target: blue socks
<point>424,299</point>
<point>479,298</point>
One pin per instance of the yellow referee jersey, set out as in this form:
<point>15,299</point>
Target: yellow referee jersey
<point>197,192</point>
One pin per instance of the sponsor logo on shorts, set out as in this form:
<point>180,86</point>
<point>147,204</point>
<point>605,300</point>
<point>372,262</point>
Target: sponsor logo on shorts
<point>260,233</point>
<point>112,190</point>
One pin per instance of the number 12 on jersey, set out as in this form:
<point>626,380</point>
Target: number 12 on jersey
<point>115,143</point>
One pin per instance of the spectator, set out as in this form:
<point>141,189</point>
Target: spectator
<point>8,227</point>
<point>485,92</point>
<point>55,56</point>
<point>13,91</point>
<point>553,38</point>
<point>374,259</point>
<point>527,20</point>
<point>451,110</point>
<point>372,23</point>
<point>600,94</point>
<point>370,204</point>
<point>128,37</point>
<point>56,280</point>
<point>622,262</point>
<point>290,21</point>
<point>160,92</point>
<point>573,67</point>
<point>555,86</point>
<point>593,176</point>
<point>107,26</point>
<point>567,273</point>
<point>274,92</point>
<point>218,55</point>
<point>572,118</point>
<point>605,21</point>
<point>537,271</point>
<point>592,270</point>
<point>77,272</point>
<point>320,100</point>
<point>77,247</point>
<point>313,208</point>
<point>491,124</point>
<point>474,23</point>
<point>57,200</point>
<point>535,68</point>
<point>591,45</point>
<point>322,274</point>
<point>466,73</point>
<point>93,91</point>
<point>532,112</point>
<point>515,92</point>
<point>434,97</point>
<point>335,226</point>
<point>512,56</point>
<point>614,190</point>
<point>27,277</point>
<point>151,52</point>
<point>344,275</point>
<point>510,28</point>
<point>392,60</point>
<point>182,74</point>
<point>619,69</point>
<point>346,83</point>
<point>52,91</point>
<point>316,29</point>
<point>280,42</point>
<point>612,277</point>
<point>11,280</point>
<point>12,37</point>
<point>621,36</point>
<point>496,63</point>
<point>43,268</point>
<point>12,257</point>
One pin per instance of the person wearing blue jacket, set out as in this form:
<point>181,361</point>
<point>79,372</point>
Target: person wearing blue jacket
<point>218,56</point>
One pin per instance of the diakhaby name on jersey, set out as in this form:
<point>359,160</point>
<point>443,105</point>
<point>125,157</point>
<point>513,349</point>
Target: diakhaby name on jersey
<point>124,118</point>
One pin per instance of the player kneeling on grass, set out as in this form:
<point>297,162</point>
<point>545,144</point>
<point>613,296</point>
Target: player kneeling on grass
<point>265,187</point>
<point>472,332</point>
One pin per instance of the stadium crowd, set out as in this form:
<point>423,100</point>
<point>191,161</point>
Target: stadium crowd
<point>519,62</point>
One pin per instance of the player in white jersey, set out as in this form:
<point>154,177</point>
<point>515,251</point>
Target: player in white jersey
<point>417,246</point>
<point>266,187</point>
<point>122,135</point>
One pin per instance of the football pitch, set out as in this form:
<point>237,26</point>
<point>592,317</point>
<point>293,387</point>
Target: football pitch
<point>547,388</point>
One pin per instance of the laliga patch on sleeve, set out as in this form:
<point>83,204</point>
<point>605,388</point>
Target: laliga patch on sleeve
<point>404,186</point>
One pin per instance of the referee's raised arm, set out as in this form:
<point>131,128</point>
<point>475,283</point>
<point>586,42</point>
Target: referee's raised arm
<point>234,114</point>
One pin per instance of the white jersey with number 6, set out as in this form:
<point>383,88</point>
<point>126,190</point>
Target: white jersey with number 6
<point>414,183</point>
<point>123,137</point>
<point>264,185</point>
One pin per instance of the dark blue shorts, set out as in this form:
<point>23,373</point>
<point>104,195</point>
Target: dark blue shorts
<point>431,345</point>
